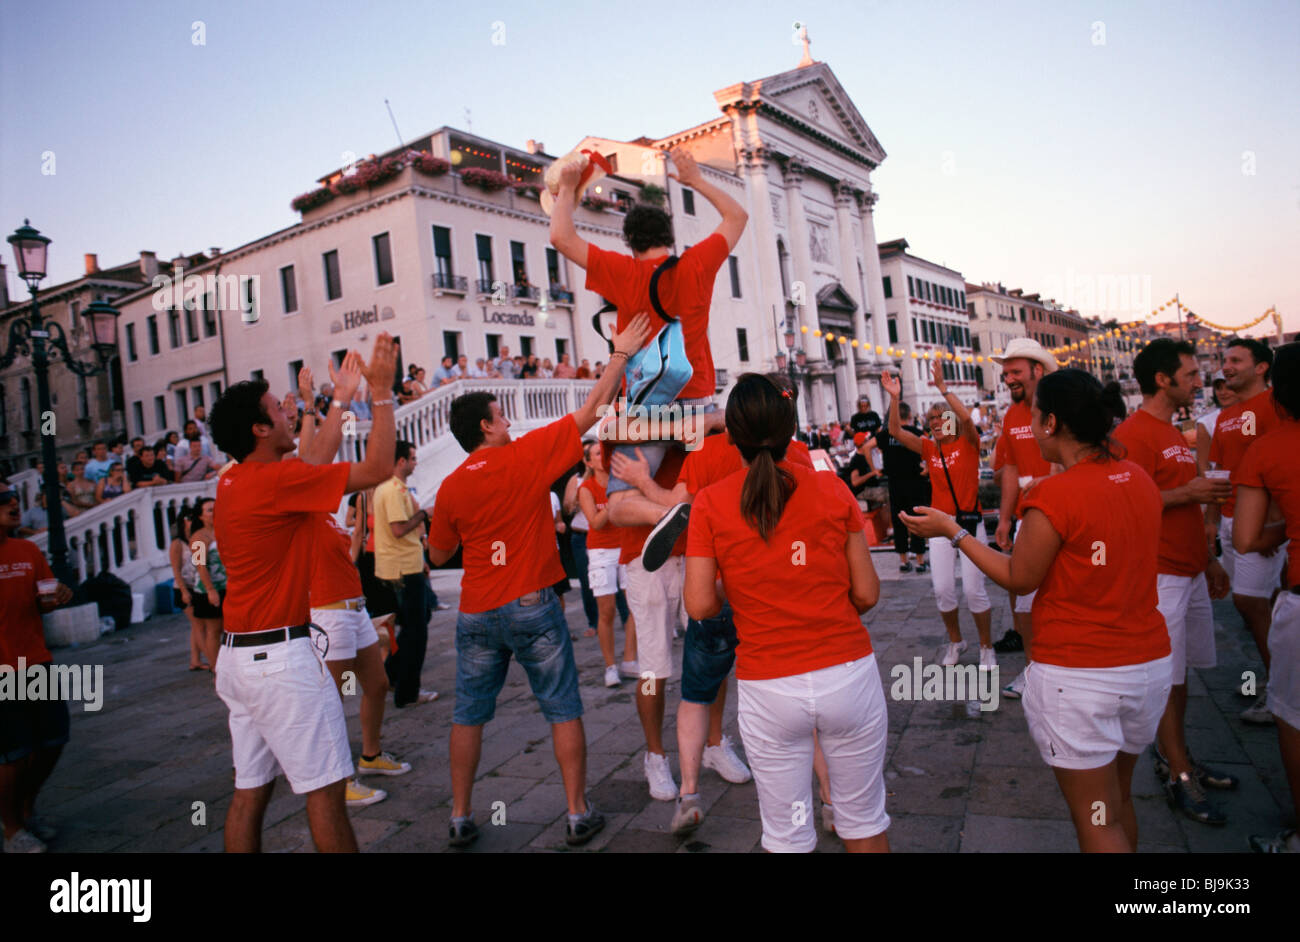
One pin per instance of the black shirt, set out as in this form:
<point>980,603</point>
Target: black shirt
<point>868,422</point>
<point>140,473</point>
<point>900,463</point>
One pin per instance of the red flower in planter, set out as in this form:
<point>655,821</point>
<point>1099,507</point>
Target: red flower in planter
<point>489,180</point>
<point>309,201</point>
<point>429,165</point>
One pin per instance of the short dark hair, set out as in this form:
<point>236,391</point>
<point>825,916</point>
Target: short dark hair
<point>1260,352</point>
<point>1162,355</point>
<point>403,449</point>
<point>904,411</point>
<point>1078,401</point>
<point>145,446</point>
<point>235,414</point>
<point>1286,379</point>
<point>467,414</point>
<point>647,227</point>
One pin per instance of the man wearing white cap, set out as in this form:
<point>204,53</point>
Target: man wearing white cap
<point>1024,363</point>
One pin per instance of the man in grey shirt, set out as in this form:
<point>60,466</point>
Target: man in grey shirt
<point>505,365</point>
<point>195,466</point>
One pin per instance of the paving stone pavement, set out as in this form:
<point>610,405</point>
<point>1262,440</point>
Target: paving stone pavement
<point>130,779</point>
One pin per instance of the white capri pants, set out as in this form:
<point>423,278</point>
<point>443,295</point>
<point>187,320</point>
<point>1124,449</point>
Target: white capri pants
<point>1184,601</point>
<point>845,704</point>
<point>943,576</point>
<point>1284,653</point>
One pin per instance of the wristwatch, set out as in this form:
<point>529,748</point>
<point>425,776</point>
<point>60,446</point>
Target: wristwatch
<point>335,404</point>
<point>957,537</point>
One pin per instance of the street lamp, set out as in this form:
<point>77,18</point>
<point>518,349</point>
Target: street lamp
<point>40,338</point>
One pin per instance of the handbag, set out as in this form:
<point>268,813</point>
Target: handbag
<point>968,520</point>
<point>658,372</point>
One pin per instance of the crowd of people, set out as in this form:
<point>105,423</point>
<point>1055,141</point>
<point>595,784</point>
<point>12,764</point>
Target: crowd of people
<point>1114,532</point>
<point>417,382</point>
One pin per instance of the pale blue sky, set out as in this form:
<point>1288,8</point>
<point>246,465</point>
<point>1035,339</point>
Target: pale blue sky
<point>1019,149</point>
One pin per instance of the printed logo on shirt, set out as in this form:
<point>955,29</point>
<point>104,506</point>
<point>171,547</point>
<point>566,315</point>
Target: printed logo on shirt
<point>1178,453</point>
<point>1021,432</point>
<point>1121,477</point>
<point>475,466</point>
<point>15,570</point>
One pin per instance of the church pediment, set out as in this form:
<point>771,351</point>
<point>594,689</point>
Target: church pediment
<point>811,100</point>
<point>833,297</point>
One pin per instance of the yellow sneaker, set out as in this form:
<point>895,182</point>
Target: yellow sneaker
<point>382,764</point>
<point>358,795</point>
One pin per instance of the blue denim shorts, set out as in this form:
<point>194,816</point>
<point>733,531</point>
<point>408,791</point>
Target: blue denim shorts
<point>532,629</point>
<point>653,452</point>
<point>708,656</point>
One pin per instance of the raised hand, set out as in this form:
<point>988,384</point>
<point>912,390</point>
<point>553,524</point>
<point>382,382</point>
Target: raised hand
<point>382,368</point>
<point>347,378</point>
<point>688,171</point>
<point>937,379</point>
<point>634,336</point>
<point>305,384</point>
<point>891,384</point>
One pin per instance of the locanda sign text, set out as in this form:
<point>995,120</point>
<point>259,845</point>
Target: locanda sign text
<point>502,317</point>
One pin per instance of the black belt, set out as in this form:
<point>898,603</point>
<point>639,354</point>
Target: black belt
<point>249,639</point>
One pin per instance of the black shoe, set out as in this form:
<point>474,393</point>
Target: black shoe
<point>905,567</point>
<point>659,544</point>
<point>1186,795</point>
<point>922,568</point>
<point>1010,643</point>
<point>463,832</point>
<point>585,827</point>
<point>1208,777</point>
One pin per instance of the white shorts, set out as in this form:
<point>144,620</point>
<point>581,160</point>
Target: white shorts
<point>1184,601</point>
<point>285,714</point>
<point>348,631</point>
<point>1025,603</point>
<point>845,704</point>
<point>1252,574</point>
<point>943,575</point>
<point>605,574</point>
<point>1080,717</point>
<point>1284,656</point>
<point>655,600</point>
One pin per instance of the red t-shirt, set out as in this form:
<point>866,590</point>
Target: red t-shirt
<point>685,292</point>
<point>608,536</point>
<point>1160,450</point>
<point>790,595</point>
<point>266,525</point>
<point>717,457</point>
<point>497,505</point>
<point>1269,464</point>
<point>1087,614</point>
<point>632,539</point>
<point>1018,446</point>
<point>1238,428</point>
<point>963,460</point>
<point>22,633</point>
<point>334,577</point>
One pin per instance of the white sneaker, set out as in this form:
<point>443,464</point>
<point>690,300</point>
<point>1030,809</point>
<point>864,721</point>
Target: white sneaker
<point>24,842</point>
<point>988,659</point>
<point>630,669</point>
<point>952,652</point>
<point>611,676</point>
<point>1016,688</point>
<point>660,776</point>
<point>723,760</point>
<point>1257,712</point>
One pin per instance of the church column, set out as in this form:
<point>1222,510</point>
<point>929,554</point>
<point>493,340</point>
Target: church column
<point>767,265</point>
<point>847,377</point>
<point>801,253</point>
<point>871,269</point>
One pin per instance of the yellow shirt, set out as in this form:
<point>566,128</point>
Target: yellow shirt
<point>396,556</point>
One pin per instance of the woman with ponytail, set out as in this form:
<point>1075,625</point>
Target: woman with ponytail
<point>1089,542</point>
<point>787,543</point>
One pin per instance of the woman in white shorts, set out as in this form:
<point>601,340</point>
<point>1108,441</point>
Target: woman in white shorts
<point>605,574</point>
<point>788,543</point>
<point>1267,476</point>
<point>952,457</point>
<point>1088,544</point>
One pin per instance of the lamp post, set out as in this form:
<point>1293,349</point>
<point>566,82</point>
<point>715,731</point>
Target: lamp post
<point>792,362</point>
<point>40,339</point>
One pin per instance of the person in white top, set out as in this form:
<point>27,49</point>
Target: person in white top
<point>1223,397</point>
